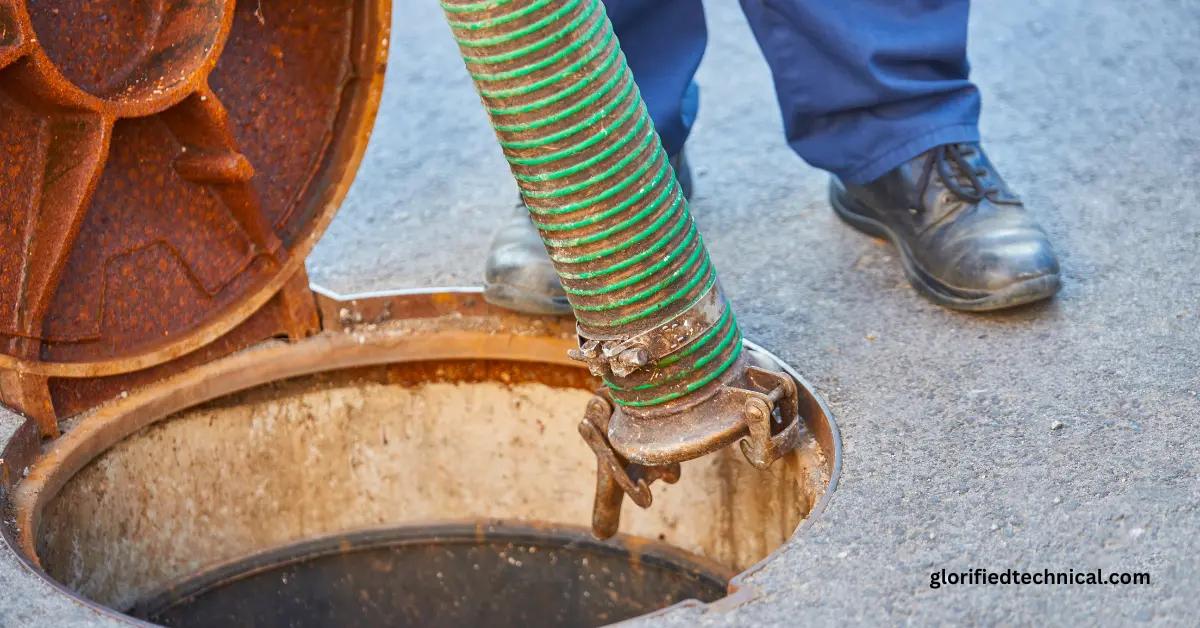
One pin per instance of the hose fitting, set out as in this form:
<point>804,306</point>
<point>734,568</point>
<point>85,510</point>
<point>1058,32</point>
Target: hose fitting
<point>653,323</point>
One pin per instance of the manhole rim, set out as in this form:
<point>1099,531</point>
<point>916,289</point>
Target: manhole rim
<point>95,432</point>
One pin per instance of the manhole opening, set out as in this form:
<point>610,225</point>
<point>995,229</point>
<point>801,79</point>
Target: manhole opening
<point>498,575</point>
<point>269,490</point>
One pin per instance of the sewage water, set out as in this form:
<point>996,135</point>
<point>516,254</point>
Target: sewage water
<point>498,575</point>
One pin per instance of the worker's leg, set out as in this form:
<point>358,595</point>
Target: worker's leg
<point>876,92</point>
<point>663,41</point>
<point>866,85</point>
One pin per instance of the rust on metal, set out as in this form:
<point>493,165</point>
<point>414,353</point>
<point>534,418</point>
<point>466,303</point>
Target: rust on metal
<point>760,409</point>
<point>168,165</point>
<point>31,394</point>
<point>398,333</point>
<point>616,477</point>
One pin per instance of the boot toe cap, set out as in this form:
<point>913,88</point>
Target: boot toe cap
<point>1000,269</point>
<point>1012,261</point>
<point>520,276</point>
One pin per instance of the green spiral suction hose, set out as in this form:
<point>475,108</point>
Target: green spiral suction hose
<point>599,187</point>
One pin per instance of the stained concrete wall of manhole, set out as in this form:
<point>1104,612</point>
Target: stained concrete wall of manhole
<point>358,433</point>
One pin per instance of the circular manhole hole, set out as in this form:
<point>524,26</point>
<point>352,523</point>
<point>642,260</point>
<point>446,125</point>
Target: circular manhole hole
<point>495,575</point>
<point>425,469</point>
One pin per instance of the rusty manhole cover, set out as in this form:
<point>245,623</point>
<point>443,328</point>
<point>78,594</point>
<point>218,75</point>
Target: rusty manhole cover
<point>167,166</point>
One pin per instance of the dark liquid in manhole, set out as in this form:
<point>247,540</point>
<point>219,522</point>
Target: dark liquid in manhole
<point>450,575</point>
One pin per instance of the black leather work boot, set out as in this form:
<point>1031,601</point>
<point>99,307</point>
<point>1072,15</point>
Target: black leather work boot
<point>966,241</point>
<point>519,274</point>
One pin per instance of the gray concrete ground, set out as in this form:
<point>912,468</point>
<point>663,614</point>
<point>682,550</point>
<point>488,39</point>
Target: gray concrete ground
<point>1059,436</point>
<point>952,458</point>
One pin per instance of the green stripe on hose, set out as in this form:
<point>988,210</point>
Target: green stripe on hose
<point>607,173</point>
<point>676,296</point>
<point>566,72</point>
<point>536,46</point>
<point>641,275</point>
<point>604,234</point>
<point>592,219</point>
<point>688,267</point>
<point>659,156</point>
<point>695,345</point>
<point>601,135</point>
<point>684,220</point>
<point>582,83</point>
<point>548,61</point>
<point>499,20</point>
<point>567,112</point>
<point>485,42</point>
<point>577,127</point>
<point>473,7</point>
<point>621,246</point>
<point>593,160</point>
<point>598,184</point>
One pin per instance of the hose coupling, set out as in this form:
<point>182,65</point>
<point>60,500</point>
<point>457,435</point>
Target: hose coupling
<point>638,440</point>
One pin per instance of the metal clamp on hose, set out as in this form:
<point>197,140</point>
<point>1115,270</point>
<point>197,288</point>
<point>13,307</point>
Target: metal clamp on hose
<point>759,407</point>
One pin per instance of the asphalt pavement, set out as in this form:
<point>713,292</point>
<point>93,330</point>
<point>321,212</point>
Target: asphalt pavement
<point>1058,436</point>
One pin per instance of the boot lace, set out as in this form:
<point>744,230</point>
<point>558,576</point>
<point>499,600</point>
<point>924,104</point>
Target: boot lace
<point>965,181</point>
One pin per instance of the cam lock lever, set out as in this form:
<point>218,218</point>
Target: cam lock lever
<point>616,476</point>
<point>766,402</point>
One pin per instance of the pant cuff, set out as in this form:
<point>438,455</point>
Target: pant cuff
<point>895,156</point>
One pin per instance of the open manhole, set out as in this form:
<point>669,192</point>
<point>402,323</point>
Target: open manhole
<point>415,463</point>
<point>237,450</point>
<point>446,575</point>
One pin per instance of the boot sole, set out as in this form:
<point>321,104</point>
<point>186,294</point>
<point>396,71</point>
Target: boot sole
<point>1016,294</point>
<point>510,298</point>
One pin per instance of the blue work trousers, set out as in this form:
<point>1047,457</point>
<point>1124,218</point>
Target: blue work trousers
<point>863,85</point>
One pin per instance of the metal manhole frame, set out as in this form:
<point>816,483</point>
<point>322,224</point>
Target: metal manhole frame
<point>343,344</point>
